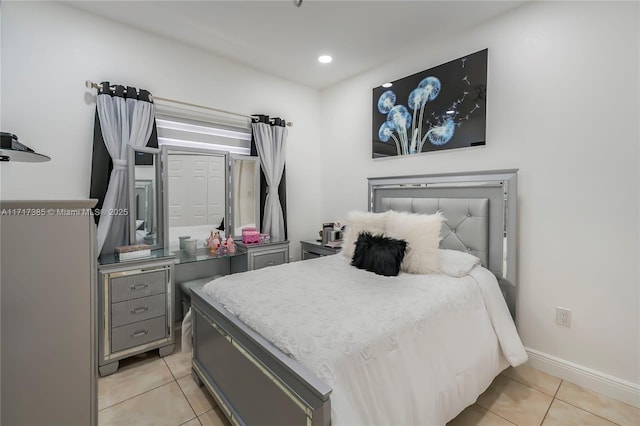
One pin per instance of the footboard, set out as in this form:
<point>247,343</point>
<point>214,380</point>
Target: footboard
<point>253,381</point>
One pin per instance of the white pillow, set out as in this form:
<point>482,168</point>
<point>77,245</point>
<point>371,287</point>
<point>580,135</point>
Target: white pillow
<point>357,222</point>
<point>457,263</point>
<point>422,234</point>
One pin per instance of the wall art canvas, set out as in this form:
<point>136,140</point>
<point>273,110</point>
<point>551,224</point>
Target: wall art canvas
<point>441,108</point>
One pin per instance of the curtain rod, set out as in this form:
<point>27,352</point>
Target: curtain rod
<point>91,85</point>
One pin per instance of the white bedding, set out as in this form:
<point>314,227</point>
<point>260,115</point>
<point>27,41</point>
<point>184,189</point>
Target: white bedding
<point>406,350</point>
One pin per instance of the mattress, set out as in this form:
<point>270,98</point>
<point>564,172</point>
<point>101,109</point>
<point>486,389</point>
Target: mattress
<point>411,349</point>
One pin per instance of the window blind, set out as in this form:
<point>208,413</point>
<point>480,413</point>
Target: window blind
<point>200,134</point>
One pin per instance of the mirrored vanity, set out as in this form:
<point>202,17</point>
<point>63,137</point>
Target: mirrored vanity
<point>178,197</point>
<point>209,192</point>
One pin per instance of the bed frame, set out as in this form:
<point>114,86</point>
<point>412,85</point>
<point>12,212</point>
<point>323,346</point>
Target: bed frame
<point>256,383</point>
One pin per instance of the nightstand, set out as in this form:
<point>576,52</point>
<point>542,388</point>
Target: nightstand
<point>313,249</point>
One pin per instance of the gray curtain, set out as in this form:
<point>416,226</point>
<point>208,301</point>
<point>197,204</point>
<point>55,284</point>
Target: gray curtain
<point>270,141</point>
<point>124,121</point>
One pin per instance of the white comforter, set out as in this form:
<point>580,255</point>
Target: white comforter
<point>406,350</point>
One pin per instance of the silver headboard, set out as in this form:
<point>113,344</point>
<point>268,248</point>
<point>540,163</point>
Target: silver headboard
<point>466,225</point>
<point>480,212</point>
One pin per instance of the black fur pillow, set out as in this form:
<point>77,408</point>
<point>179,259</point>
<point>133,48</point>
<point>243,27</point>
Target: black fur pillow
<point>375,253</point>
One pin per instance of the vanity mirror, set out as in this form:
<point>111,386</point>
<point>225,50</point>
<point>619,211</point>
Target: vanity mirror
<point>197,193</point>
<point>245,187</point>
<point>145,197</point>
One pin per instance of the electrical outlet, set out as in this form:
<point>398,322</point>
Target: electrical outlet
<point>563,316</point>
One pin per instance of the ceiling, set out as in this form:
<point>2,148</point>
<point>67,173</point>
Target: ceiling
<point>281,39</point>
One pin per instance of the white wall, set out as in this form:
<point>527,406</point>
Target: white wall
<point>563,108</point>
<point>49,50</point>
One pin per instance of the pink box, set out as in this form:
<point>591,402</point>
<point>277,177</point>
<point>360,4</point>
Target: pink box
<point>250,236</point>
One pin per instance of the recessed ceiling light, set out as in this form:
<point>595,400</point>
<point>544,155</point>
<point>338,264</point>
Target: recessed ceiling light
<point>387,85</point>
<point>325,59</point>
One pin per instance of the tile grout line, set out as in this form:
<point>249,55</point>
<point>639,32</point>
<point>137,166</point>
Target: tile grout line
<point>148,390</point>
<point>587,411</point>
<point>197,416</point>
<point>532,388</point>
<point>171,371</point>
<point>493,412</point>
<point>503,418</point>
<point>579,408</point>
<point>183,394</point>
<point>553,398</point>
<point>529,386</point>
<point>136,395</point>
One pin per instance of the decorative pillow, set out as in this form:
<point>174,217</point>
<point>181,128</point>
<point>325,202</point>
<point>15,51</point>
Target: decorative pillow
<point>422,234</point>
<point>357,222</point>
<point>378,254</point>
<point>456,263</point>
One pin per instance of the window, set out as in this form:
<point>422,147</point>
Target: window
<point>196,134</point>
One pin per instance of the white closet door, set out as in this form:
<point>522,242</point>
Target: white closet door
<point>215,190</point>
<point>197,194</point>
<point>177,197</point>
<point>188,194</point>
<point>197,190</point>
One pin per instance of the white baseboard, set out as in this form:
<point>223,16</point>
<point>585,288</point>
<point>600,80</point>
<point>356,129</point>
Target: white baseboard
<point>593,380</point>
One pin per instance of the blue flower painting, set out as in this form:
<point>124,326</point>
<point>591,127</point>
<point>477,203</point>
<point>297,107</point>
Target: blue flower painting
<point>441,108</point>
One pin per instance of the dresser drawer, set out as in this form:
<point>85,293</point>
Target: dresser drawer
<point>138,333</point>
<point>138,285</point>
<point>262,260</point>
<point>140,309</point>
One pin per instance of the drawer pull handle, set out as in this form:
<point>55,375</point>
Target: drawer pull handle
<point>271,263</point>
<point>140,310</point>
<point>139,286</point>
<point>139,333</point>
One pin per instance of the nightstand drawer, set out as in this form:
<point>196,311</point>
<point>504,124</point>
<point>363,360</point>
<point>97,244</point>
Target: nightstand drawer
<point>138,285</point>
<point>140,309</point>
<point>138,333</point>
<point>262,260</point>
<point>313,249</point>
<point>310,255</point>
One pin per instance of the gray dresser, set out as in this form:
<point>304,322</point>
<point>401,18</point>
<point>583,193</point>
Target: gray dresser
<point>48,272</point>
<point>135,300</point>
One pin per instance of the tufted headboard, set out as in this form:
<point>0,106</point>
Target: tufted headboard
<point>480,213</point>
<point>466,225</point>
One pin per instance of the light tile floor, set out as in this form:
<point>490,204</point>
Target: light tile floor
<point>149,390</point>
<point>523,396</point>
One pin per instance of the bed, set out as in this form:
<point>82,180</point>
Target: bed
<point>321,342</point>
